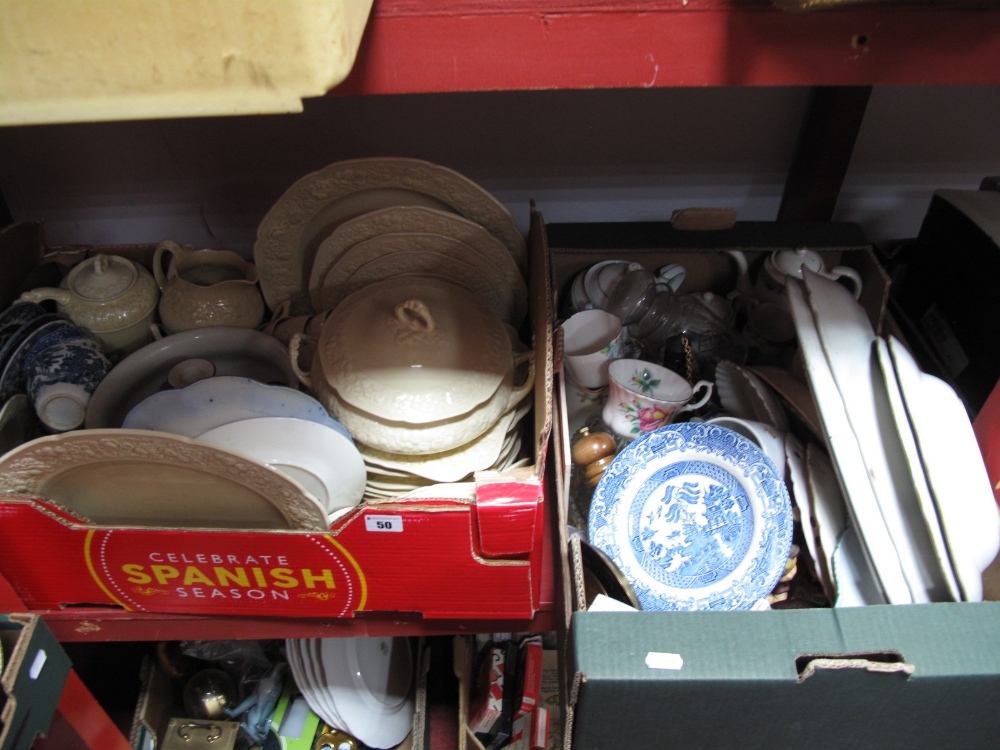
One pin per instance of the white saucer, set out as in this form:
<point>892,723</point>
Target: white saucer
<point>846,453</point>
<point>955,471</point>
<point>322,460</point>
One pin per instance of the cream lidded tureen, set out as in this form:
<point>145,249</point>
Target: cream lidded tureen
<point>416,364</point>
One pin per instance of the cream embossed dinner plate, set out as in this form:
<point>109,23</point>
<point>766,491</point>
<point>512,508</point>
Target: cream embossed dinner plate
<point>953,463</point>
<point>391,255</point>
<point>456,464</point>
<point>311,209</point>
<point>412,219</point>
<point>116,477</point>
<point>422,252</point>
<point>842,445</point>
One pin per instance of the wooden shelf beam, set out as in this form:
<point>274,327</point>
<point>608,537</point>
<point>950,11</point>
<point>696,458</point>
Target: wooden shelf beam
<point>419,46</point>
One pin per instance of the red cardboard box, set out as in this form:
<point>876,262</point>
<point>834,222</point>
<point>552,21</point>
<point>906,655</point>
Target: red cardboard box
<point>445,558</point>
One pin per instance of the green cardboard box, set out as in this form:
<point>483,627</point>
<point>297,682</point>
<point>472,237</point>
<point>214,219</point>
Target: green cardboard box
<point>35,669</point>
<point>916,676</point>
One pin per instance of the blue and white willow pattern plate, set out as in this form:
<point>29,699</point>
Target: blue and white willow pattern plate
<point>696,517</point>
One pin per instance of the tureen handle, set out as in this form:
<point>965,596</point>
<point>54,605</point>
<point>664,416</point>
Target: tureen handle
<point>293,351</point>
<point>414,315</point>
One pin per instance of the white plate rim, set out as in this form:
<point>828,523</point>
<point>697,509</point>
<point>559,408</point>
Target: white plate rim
<point>232,392</point>
<point>798,487</point>
<point>848,341</point>
<point>415,220</point>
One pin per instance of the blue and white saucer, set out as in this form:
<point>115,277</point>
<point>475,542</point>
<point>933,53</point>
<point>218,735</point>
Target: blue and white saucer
<point>696,517</point>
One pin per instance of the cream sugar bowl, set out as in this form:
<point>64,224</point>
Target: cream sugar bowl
<point>416,365</point>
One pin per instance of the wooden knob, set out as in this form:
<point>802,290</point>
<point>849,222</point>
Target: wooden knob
<point>593,446</point>
<point>595,470</point>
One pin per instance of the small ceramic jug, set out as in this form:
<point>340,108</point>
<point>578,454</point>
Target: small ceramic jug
<point>202,288</point>
<point>770,285</point>
<point>110,296</point>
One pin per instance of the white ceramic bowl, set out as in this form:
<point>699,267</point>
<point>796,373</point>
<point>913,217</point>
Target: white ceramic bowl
<point>242,352</point>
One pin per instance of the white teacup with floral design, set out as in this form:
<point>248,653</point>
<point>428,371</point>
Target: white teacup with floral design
<point>644,396</point>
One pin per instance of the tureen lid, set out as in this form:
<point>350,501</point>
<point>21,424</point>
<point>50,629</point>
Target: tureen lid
<point>414,349</point>
<point>102,277</point>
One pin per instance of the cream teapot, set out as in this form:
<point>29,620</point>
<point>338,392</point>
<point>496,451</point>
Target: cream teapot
<point>783,263</point>
<point>110,296</point>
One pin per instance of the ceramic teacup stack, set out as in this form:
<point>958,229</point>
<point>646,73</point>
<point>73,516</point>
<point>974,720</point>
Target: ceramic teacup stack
<point>52,361</point>
<point>427,378</point>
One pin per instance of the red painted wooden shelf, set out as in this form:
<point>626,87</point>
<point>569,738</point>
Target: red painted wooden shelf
<point>420,46</point>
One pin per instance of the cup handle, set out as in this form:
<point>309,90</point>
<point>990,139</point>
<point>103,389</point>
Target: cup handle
<point>167,246</point>
<point>843,272</point>
<point>518,392</point>
<point>691,406</point>
<point>293,351</point>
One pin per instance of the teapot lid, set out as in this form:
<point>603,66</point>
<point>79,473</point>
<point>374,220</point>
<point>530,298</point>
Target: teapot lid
<point>414,349</point>
<point>102,277</point>
<point>791,262</point>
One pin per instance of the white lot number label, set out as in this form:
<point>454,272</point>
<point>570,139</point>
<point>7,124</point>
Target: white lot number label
<point>384,523</point>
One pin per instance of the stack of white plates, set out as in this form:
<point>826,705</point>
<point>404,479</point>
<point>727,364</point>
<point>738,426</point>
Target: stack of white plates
<point>921,522</point>
<point>271,424</point>
<point>362,686</point>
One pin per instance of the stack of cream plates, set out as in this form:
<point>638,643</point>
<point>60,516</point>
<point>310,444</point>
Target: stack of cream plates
<point>362,686</point>
<point>358,221</point>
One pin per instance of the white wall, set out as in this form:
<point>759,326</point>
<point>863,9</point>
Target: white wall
<point>582,155</point>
